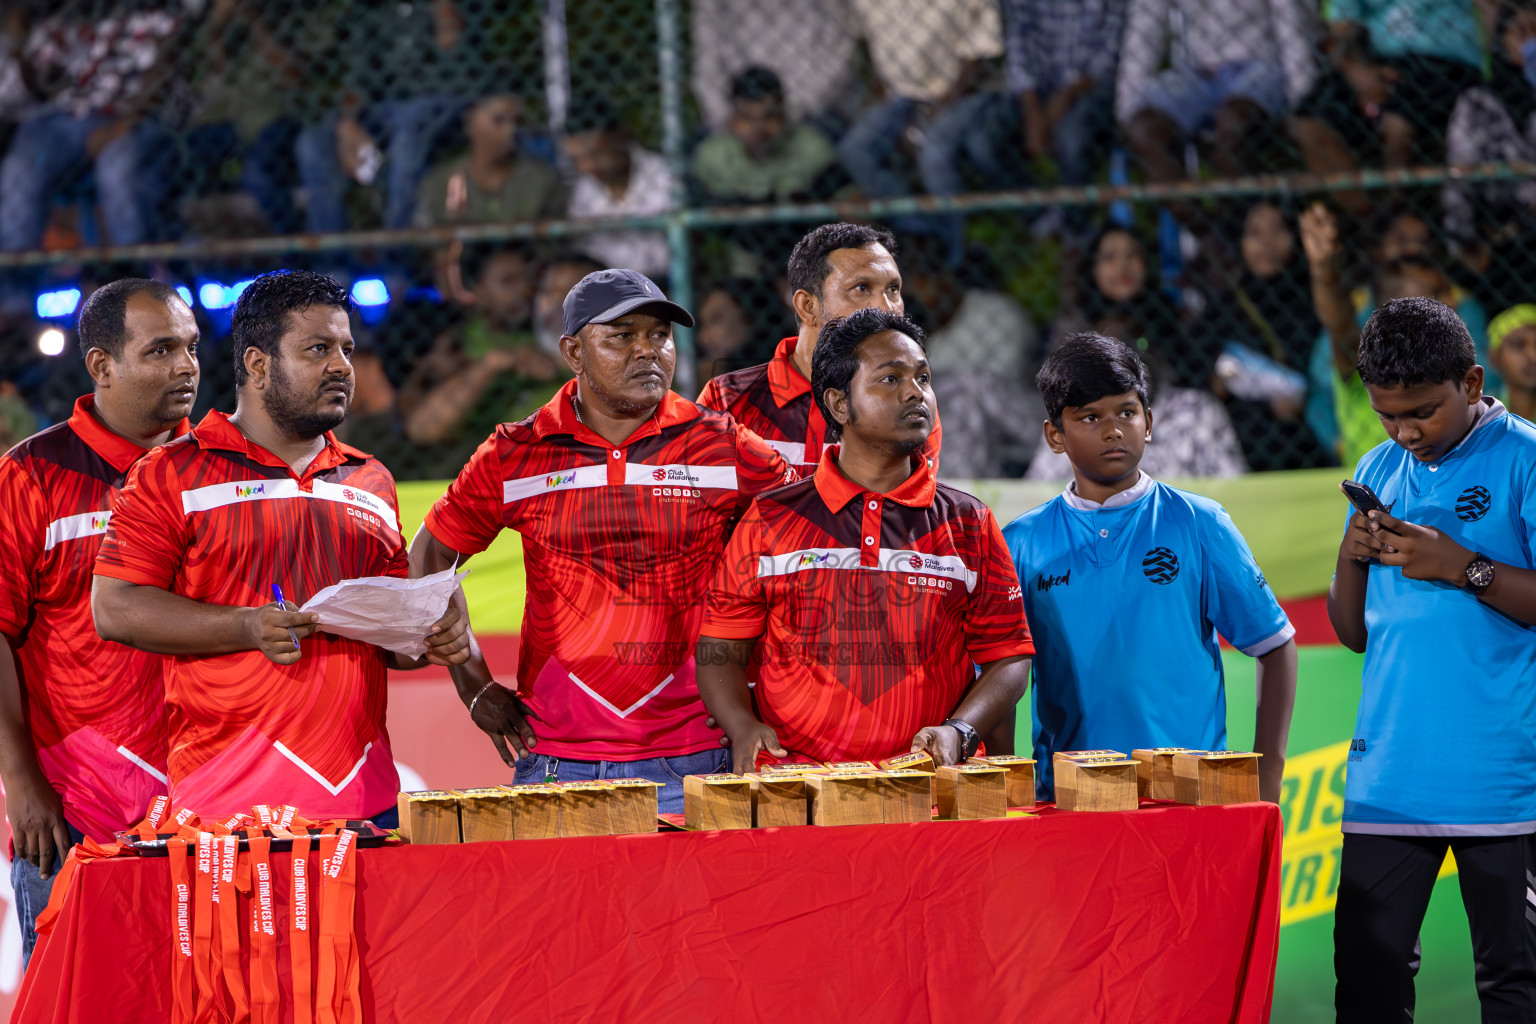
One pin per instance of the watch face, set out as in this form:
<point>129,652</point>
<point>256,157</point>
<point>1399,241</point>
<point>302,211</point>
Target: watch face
<point>1480,574</point>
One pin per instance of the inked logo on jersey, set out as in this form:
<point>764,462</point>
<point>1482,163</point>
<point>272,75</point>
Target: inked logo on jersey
<point>560,479</point>
<point>100,522</point>
<point>1047,582</point>
<point>246,492</point>
<point>1472,504</point>
<point>808,559</point>
<point>1161,566</point>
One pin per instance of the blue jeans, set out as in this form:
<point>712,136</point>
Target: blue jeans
<point>31,890</point>
<point>133,176</point>
<point>267,171</point>
<point>667,770</point>
<point>405,130</point>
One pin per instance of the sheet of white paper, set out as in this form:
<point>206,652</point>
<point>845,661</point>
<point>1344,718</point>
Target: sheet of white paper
<point>388,612</point>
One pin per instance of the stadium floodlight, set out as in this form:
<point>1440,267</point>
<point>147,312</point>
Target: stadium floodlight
<point>370,291</point>
<point>211,295</point>
<point>51,341</point>
<point>185,293</point>
<point>55,304</point>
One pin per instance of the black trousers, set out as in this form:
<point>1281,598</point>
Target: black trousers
<point>1384,888</point>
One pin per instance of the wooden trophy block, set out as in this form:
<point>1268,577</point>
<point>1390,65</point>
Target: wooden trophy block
<point>632,806</point>
<point>536,810</point>
<point>1021,776</point>
<point>1096,784</point>
<point>1154,772</point>
<point>851,766</point>
<point>842,797</point>
<point>584,808</point>
<point>1211,777</point>
<point>485,815</point>
<point>916,761</point>
<point>908,795</point>
<point>970,791</point>
<point>1075,755</point>
<point>717,801</point>
<point>791,768</point>
<point>779,799</point>
<point>430,817</point>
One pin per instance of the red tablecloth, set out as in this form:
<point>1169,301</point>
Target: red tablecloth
<point>1166,913</point>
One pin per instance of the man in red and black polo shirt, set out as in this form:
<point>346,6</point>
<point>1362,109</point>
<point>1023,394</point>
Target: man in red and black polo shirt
<point>835,270</point>
<point>624,494</point>
<point>82,721</point>
<point>204,528</point>
<point>860,600</point>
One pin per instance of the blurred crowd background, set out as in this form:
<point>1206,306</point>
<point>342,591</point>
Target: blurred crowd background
<point>1231,185</point>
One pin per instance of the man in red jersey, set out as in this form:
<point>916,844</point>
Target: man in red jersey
<point>833,271</point>
<point>204,528</point>
<point>860,600</point>
<point>625,495</point>
<point>82,721</point>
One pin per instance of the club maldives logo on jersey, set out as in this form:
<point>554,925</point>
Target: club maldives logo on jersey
<point>362,498</point>
<point>249,490</point>
<point>560,479</point>
<point>658,474</point>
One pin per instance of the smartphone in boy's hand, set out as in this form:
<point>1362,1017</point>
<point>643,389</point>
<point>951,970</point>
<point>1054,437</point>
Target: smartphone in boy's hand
<point>1363,498</point>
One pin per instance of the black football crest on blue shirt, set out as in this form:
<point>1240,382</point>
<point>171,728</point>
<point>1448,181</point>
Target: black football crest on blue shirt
<point>1472,504</point>
<point>1161,566</point>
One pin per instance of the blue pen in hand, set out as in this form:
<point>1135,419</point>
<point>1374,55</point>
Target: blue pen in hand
<point>277,595</point>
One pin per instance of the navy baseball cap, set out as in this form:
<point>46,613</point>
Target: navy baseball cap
<point>605,295</point>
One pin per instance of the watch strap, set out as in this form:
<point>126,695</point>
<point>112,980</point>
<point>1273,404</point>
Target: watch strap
<point>970,739</point>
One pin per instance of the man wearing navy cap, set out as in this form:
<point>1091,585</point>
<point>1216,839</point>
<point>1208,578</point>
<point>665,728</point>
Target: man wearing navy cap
<point>625,495</point>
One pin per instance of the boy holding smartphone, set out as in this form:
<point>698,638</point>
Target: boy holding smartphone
<point>1127,583</point>
<point>1439,592</point>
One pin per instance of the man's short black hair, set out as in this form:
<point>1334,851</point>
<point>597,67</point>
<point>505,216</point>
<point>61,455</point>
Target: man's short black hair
<point>478,255</point>
<point>836,358</point>
<point>261,312</point>
<point>757,83</point>
<point>103,316</point>
<point>808,264</point>
<point>1086,367</point>
<point>1413,341</point>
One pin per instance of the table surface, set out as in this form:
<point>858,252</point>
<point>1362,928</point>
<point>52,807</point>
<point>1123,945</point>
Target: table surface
<point>1165,913</point>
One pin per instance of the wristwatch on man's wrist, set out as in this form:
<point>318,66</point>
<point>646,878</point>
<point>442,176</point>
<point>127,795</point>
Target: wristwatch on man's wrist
<point>1479,574</point>
<point>970,739</point>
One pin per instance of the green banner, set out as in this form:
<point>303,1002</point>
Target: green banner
<point>1293,522</point>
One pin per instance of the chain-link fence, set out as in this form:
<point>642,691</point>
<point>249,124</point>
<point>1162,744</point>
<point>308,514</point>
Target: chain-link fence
<point>1230,184</point>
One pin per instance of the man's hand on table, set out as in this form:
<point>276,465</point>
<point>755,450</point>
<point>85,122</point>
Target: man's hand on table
<point>754,739</point>
<point>942,742</point>
<point>501,715</point>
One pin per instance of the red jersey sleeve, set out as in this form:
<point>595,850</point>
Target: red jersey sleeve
<point>736,609</point>
<point>468,517</point>
<point>759,468</point>
<point>710,397</point>
<point>147,536</point>
<point>23,532</point>
<point>994,619</point>
<point>399,559</point>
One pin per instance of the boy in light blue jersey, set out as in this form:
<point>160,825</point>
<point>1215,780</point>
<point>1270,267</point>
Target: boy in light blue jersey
<point>1127,583</point>
<point>1439,593</point>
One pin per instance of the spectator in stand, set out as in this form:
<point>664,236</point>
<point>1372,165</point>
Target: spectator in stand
<point>560,274</point>
<point>617,178</point>
<point>929,62</point>
<point>808,43</point>
<point>1264,324</point>
<point>1118,295</point>
<point>100,81</point>
<point>1398,67</point>
<point>494,182</point>
<point>763,156</point>
<point>488,371</point>
<point>983,354</point>
<point>15,96</point>
<point>1402,269</point>
<point>1234,67</point>
<point>1062,56</point>
<point>1512,350</point>
<point>739,320</point>
<point>247,85</point>
<point>410,68</point>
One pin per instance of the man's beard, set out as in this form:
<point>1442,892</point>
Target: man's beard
<point>289,412</point>
<point>618,404</point>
